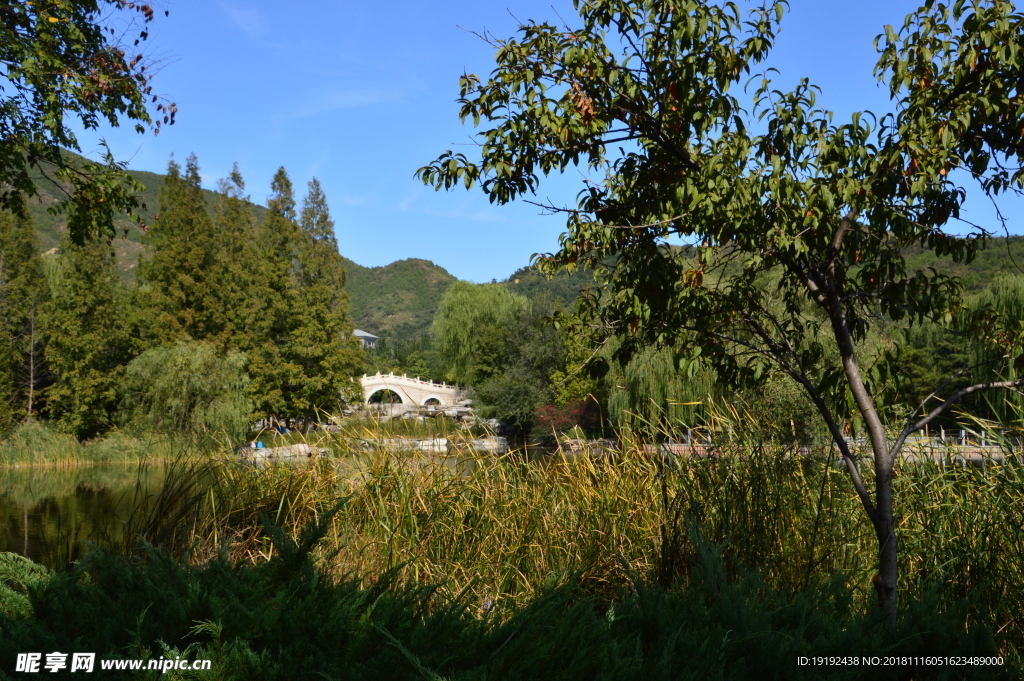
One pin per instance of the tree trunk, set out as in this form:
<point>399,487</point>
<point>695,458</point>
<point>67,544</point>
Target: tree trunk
<point>31,367</point>
<point>882,516</point>
<point>885,531</point>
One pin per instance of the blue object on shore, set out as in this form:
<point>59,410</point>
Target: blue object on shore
<point>259,445</point>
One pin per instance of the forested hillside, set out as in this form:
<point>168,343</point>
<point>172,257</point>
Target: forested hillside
<point>561,290</point>
<point>396,301</point>
<point>1002,256</point>
<point>51,227</point>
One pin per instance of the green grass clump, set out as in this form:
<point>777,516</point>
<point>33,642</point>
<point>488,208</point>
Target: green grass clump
<point>37,443</point>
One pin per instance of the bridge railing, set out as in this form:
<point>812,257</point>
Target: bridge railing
<point>416,380</point>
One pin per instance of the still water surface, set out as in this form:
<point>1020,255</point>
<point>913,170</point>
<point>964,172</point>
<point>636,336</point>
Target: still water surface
<point>46,513</point>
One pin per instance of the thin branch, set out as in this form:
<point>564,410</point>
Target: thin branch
<point>953,399</point>
<point>647,226</point>
<point>835,247</point>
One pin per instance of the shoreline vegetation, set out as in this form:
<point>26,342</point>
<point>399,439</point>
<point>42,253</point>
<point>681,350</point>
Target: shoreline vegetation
<point>568,566</point>
<point>39,444</point>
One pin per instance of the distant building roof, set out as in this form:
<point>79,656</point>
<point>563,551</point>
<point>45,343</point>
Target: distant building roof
<point>359,333</point>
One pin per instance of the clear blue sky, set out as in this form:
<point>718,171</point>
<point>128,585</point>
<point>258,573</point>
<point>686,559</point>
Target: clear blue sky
<point>360,95</point>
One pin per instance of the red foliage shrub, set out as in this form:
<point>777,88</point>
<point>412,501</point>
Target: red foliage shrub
<point>585,413</point>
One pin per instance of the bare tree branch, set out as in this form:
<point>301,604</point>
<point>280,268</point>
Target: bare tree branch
<point>953,399</point>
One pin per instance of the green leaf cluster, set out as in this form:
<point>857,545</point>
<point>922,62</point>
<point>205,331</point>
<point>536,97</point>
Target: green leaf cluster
<point>64,60</point>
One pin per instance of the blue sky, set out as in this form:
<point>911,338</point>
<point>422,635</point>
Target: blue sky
<point>360,95</point>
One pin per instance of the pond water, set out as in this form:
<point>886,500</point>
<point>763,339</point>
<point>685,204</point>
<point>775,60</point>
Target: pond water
<point>46,513</point>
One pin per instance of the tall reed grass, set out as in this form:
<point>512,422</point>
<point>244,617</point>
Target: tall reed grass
<point>572,565</point>
<point>495,532</point>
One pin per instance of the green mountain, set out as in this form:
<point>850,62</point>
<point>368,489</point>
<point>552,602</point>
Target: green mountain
<point>561,290</point>
<point>397,300</point>
<point>1003,256</point>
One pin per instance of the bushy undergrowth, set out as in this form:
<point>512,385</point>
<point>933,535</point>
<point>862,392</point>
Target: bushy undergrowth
<point>376,428</point>
<point>286,618</point>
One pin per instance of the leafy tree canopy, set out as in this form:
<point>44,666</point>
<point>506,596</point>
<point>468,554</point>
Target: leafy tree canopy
<point>189,387</point>
<point>62,60</point>
<point>471,329</point>
<point>799,222</point>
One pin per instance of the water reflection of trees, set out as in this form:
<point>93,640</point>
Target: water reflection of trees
<point>47,513</point>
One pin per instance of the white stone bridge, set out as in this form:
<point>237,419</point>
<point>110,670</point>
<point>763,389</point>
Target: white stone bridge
<point>412,390</point>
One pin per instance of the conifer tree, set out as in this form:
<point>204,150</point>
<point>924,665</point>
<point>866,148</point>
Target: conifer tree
<point>87,344</point>
<point>179,270</point>
<point>323,349</point>
<point>273,376</point>
<point>22,291</point>
<point>240,273</point>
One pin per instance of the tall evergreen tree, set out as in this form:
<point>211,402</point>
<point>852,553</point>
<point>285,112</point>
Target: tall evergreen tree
<point>87,343</point>
<point>22,292</point>
<point>274,377</point>
<point>322,348</point>
<point>240,273</point>
<point>180,266</point>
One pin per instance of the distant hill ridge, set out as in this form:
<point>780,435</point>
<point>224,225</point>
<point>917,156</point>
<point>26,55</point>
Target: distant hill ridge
<point>399,300</point>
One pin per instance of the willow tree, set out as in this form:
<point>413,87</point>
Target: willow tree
<point>799,223</point>
<point>471,329</point>
<point>658,390</point>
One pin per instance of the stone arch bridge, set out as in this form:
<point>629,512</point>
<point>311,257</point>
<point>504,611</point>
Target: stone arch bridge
<point>412,390</point>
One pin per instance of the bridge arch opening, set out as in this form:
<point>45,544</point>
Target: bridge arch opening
<point>432,402</point>
<point>384,396</point>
